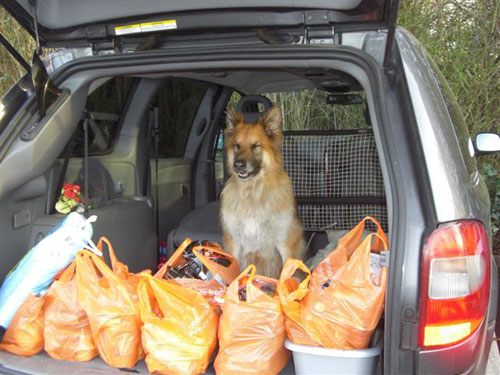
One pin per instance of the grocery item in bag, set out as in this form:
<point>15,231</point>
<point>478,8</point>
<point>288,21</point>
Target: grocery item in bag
<point>113,318</point>
<point>346,292</point>
<point>251,330</point>
<point>67,331</point>
<point>25,333</point>
<point>179,331</point>
<point>201,266</point>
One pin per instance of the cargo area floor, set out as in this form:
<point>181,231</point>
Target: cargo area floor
<point>42,364</point>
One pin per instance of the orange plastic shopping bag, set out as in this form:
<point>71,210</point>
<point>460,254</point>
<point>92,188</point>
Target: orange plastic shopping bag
<point>346,292</point>
<point>222,267</point>
<point>293,287</point>
<point>345,248</point>
<point>130,280</point>
<point>67,331</point>
<point>179,331</point>
<point>25,333</point>
<point>212,290</point>
<point>112,315</point>
<point>212,256</point>
<point>251,330</point>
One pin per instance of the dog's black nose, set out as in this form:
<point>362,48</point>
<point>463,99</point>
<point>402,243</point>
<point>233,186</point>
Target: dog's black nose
<point>240,164</point>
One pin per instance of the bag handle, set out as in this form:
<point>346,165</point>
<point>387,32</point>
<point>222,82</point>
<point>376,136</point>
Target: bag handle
<point>94,263</point>
<point>160,274</point>
<point>353,238</point>
<point>291,266</point>
<point>250,270</point>
<point>380,231</point>
<point>213,247</point>
<point>381,238</point>
<point>67,274</point>
<point>111,251</point>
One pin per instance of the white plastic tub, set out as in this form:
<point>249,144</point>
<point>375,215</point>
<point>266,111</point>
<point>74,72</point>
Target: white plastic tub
<point>313,360</point>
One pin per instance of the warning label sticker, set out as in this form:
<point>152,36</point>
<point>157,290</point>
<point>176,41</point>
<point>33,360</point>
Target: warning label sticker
<point>146,27</point>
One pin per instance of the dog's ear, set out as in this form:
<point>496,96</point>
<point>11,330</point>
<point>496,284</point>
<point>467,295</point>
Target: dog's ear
<point>232,118</point>
<point>272,121</point>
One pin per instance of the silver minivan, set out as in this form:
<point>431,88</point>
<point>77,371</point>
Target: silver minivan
<point>131,106</point>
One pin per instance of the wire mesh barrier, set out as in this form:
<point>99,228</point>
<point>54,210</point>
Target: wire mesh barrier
<point>336,178</point>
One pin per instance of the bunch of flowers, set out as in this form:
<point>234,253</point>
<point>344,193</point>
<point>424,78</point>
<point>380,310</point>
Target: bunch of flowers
<point>70,199</point>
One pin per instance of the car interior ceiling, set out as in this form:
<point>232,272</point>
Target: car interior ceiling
<point>128,160</point>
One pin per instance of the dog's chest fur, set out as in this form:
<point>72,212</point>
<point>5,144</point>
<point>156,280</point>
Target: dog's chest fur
<point>257,215</point>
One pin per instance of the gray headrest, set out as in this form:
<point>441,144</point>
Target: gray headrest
<point>249,107</point>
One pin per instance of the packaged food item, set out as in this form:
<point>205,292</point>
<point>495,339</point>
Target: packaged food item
<point>67,331</point>
<point>251,330</point>
<point>115,325</point>
<point>179,331</point>
<point>202,266</point>
<point>24,336</point>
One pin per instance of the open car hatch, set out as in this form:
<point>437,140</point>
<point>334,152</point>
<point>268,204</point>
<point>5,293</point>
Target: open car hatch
<point>109,22</point>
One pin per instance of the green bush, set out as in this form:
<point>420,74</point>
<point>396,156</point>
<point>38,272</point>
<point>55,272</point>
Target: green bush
<point>492,178</point>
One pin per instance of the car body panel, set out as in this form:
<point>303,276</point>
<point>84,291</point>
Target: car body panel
<point>458,192</point>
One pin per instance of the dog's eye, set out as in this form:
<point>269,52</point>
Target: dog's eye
<point>237,146</point>
<point>255,145</point>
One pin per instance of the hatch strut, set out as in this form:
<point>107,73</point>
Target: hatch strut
<point>393,15</point>
<point>45,90</point>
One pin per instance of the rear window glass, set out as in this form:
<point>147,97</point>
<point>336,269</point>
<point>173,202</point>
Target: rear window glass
<point>105,105</point>
<point>178,102</point>
<point>311,110</point>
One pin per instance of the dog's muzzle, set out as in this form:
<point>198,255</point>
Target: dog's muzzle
<point>242,169</point>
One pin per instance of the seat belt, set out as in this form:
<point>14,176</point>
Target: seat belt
<point>156,139</point>
<point>149,137</point>
<point>153,134</point>
<point>88,116</point>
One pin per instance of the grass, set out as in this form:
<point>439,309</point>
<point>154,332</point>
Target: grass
<point>22,41</point>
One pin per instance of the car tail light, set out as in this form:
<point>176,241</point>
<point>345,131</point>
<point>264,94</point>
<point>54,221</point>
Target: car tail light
<point>455,283</point>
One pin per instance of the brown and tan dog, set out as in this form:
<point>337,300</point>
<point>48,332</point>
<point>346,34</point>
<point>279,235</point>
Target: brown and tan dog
<point>258,211</point>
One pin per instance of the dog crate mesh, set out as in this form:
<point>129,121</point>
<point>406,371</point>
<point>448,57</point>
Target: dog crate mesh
<point>336,178</point>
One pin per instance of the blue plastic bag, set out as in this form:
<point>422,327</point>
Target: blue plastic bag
<point>36,270</point>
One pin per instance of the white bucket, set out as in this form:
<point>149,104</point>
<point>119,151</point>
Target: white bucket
<point>315,360</point>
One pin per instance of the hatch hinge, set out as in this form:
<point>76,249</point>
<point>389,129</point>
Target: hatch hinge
<point>101,41</point>
<point>318,29</point>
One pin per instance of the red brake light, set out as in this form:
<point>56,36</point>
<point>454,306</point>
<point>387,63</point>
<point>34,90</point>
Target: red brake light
<point>455,286</point>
